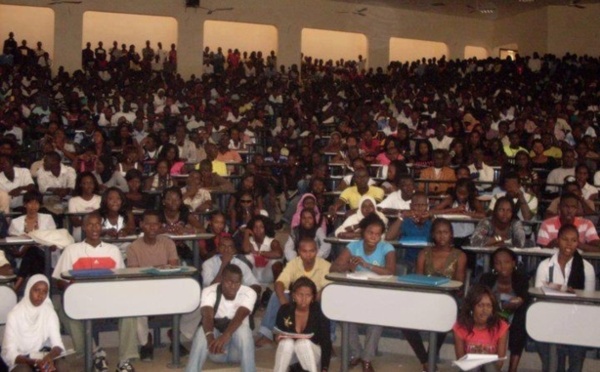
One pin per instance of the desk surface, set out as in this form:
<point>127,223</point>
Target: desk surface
<point>4,279</point>
<point>590,297</point>
<point>393,282</point>
<point>534,251</point>
<point>185,237</point>
<point>395,243</point>
<point>132,273</point>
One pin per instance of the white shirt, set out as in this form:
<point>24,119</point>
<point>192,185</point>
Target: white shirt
<point>22,178</point>
<point>543,273</point>
<point>66,178</point>
<point>245,297</point>
<point>78,253</point>
<point>557,176</point>
<point>444,143</point>
<point>395,201</point>
<point>17,225</point>
<point>210,269</point>
<point>78,204</point>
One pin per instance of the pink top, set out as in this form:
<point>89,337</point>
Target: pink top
<point>480,341</point>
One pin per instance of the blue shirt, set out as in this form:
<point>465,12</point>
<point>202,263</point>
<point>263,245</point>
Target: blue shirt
<point>411,230</point>
<point>377,257</point>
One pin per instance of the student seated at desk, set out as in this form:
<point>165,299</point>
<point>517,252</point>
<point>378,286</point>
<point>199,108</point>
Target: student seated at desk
<point>348,179</point>
<point>368,254</point>
<point>135,197</point>
<point>85,198</point>
<point>586,207</point>
<point>479,328</point>
<point>526,204</point>
<point>441,260</point>
<point>399,200</point>
<point>117,218</point>
<point>92,253</point>
<point>33,257</point>
<point>510,286</point>
<point>303,316</point>
<point>216,225</point>
<point>308,228</point>
<point>413,224</point>
<point>567,210</point>
<point>351,196</point>
<point>225,335</point>
<point>438,172</point>
<point>307,264</point>
<point>195,197</point>
<point>500,228</point>
<point>566,270</point>
<point>213,181</point>
<point>350,228</point>
<point>151,250</point>
<point>31,326</point>
<point>262,250</point>
<point>161,179</point>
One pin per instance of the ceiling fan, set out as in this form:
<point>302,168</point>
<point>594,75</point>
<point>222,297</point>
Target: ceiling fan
<point>360,12</point>
<point>211,11</point>
<point>57,2</point>
<point>575,4</point>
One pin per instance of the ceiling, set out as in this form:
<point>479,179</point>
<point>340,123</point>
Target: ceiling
<point>467,8</point>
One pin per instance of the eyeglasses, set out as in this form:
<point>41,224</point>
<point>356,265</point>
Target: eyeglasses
<point>246,201</point>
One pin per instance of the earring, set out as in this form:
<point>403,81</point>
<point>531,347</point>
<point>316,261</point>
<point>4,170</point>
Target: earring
<point>471,312</point>
<point>494,272</point>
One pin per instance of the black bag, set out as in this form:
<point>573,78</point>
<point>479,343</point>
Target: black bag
<point>220,324</point>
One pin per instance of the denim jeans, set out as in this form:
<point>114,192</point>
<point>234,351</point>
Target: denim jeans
<point>239,350</point>
<point>270,317</point>
<point>575,355</point>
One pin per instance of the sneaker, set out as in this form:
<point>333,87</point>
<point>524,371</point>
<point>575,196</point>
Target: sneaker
<point>125,367</point>
<point>147,353</point>
<point>100,364</point>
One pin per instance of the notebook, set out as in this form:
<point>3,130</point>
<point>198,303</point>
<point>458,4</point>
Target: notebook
<point>423,279</point>
<point>414,241</point>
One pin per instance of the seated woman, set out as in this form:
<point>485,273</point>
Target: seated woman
<point>461,200</point>
<point>32,325</point>
<point>350,228</point>
<point>479,328</point>
<point>195,197</point>
<point>177,219</point>
<point>243,211</point>
<point>501,228</point>
<point>107,176</point>
<point>131,157</point>
<point>368,254</point>
<point>262,250</point>
<point>216,226</point>
<point>441,260</point>
<point>135,197</point>
<point>247,186</point>
<point>161,179</point>
<point>32,257</point>
<point>510,286</point>
<point>565,270</point>
<point>308,228</point>
<point>391,175</point>
<point>308,201</point>
<point>170,152</point>
<point>85,199</point>
<point>117,218</point>
<point>303,316</point>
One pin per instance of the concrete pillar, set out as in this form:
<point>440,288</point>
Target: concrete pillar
<point>290,44</point>
<point>68,31</point>
<point>189,51</point>
<point>378,50</point>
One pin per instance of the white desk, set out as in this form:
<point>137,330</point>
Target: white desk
<point>129,293</point>
<point>386,303</point>
<point>8,300</point>
<point>12,241</point>
<point>564,320</point>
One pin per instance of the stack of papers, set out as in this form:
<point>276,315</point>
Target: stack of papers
<point>556,291</point>
<point>293,335</point>
<point>471,361</point>
<point>365,275</point>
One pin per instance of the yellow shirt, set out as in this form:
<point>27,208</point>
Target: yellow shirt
<point>294,270</point>
<point>218,167</point>
<point>351,196</point>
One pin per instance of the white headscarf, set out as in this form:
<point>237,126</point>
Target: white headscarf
<point>29,328</point>
<point>358,216</point>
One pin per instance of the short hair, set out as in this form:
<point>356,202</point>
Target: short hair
<point>133,174</point>
<point>372,219</point>
<point>568,195</point>
<point>305,281</point>
<point>94,214</point>
<point>233,269</point>
<point>53,155</point>
<point>151,212</point>
<point>32,195</point>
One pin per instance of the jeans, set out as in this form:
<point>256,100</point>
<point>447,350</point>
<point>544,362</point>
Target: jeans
<point>575,354</point>
<point>240,349</point>
<point>268,321</point>
<point>371,341</point>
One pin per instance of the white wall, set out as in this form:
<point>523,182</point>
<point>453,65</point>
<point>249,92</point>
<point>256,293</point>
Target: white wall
<point>333,45</point>
<point>574,30</point>
<point>28,23</point>
<point>226,35</point>
<point>476,52</point>
<point>128,29</point>
<point>408,50</point>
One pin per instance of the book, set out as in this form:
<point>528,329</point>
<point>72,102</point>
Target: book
<point>423,279</point>
<point>83,273</point>
<point>472,361</point>
<point>42,354</point>
<point>292,335</point>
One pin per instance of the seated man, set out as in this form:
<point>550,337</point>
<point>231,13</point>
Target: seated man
<point>439,172</point>
<point>92,253</point>
<point>151,250</point>
<point>225,335</point>
<point>586,207</point>
<point>567,210</point>
<point>527,203</point>
<point>306,264</point>
<point>399,200</point>
<point>352,195</point>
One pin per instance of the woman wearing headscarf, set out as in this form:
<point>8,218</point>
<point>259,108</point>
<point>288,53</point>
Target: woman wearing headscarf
<point>308,201</point>
<point>32,325</point>
<point>350,229</point>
